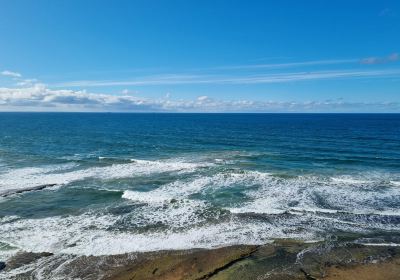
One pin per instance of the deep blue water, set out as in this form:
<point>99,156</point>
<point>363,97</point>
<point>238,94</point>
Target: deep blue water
<point>139,182</point>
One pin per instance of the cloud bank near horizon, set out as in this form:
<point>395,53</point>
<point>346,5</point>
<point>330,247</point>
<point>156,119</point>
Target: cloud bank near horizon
<point>38,97</point>
<point>31,95</point>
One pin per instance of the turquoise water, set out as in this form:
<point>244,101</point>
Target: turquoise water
<point>141,182</point>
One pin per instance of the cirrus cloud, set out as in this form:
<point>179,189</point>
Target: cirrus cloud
<point>269,78</point>
<point>380,60</point>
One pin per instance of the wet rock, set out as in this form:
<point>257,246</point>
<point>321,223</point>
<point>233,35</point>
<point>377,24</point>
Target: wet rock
<point>17,191</point>
<point>319,259</point>
<point>188,265</point>
<point>273,262</point>
<point>2,266</point>
<point>388,270</point>
<point>282,260</point>
<point>24,258</point>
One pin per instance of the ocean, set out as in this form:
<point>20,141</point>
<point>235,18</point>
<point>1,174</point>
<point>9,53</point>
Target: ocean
<point>108,183</point>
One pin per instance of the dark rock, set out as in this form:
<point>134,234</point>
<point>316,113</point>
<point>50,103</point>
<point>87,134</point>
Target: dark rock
<point>24,258</point>
<point>17,191</point>
<point>2,266</point>
<point>188,265</point>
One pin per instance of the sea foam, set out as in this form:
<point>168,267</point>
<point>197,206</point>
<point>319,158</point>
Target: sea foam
<point>27,178</point>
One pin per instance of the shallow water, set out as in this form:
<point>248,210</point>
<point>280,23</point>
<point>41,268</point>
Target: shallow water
<point>144,182</point>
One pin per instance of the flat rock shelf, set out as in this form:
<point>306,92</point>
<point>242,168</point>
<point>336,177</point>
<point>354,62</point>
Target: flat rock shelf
<point>281,260</point>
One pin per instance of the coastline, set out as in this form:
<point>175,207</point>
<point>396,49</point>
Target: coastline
<point>282,259</point>
<point>135,197</point>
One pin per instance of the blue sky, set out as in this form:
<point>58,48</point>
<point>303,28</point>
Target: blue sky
<point>200,56</point>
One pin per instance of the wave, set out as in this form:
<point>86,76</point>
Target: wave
<point>181,189</point>
<point>91,234</point>
<point>20,179</point>
<point>102,234</point>
<point>27,178</point>
<point>268,194</point>
<point>395,183</point>
<point>151,197</point>
<point>391,244</point>
<point>183,215</point>
<point>314,210</point>
<point>322,194</point>
<point>349,180</point>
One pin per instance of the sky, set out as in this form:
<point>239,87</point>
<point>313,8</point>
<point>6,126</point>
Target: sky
<point>200,56</point>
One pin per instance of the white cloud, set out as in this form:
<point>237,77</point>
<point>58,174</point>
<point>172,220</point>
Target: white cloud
<point>11,74</point>
<point>30,95</point>
<point>202,98</point>
<point>129,92</point>
<point>41,98</point>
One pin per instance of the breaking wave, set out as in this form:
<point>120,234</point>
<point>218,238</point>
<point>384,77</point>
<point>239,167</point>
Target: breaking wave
<point>186,212</point>
<point>26,178</point>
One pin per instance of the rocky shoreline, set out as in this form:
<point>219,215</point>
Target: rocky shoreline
<point>281,260</point>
